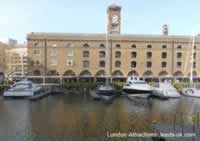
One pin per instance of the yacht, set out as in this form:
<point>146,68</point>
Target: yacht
<point>136,87</point>
<point>165,90</point>
<point>22,88</point>
<point>191,92</point>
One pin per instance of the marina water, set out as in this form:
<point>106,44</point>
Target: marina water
<point>77,117</point>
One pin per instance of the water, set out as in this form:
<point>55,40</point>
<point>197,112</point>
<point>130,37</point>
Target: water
<point>79,118</point>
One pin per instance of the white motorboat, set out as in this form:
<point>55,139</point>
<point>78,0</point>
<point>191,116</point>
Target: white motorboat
<point>191,91</point>
<point>136,86</point>
<point>22,88</point>
<point>165,90</point>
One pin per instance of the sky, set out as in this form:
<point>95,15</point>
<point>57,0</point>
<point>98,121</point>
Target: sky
<point>20,17</point>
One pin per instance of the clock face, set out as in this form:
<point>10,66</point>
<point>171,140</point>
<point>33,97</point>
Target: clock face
<point>115,19</point>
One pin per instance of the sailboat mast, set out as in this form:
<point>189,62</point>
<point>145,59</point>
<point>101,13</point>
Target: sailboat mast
<point>192,60</point>
<point>107,57</point>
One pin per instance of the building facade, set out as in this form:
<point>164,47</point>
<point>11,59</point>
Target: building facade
<point>16,60</point>
<point>112,54</point>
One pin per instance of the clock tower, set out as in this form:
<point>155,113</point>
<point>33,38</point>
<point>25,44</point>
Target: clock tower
<point>114,19</point>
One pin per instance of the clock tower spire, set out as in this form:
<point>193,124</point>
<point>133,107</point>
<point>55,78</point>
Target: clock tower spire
<point>114,19</point>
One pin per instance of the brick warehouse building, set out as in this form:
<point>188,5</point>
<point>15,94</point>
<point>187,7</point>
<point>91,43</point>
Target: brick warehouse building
<point>84,55</point>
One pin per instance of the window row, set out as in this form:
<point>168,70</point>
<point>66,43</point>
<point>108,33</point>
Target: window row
<point>118,54</point>
<point>102,45</point>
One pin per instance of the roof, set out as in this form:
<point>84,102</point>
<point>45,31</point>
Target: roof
<point>98,36</point>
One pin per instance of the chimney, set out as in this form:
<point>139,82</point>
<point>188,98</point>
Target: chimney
<point>165,29</point>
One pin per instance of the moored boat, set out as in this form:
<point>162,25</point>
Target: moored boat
<point>22,88</point>
<point>136,86</point>
<point>165,90</point>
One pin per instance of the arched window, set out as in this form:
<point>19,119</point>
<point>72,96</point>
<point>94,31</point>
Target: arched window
<point>102,46</point>
<point>148,73</point>
<point>179,64</point>
<point>164,46</point>
<point>133,64</point>
<point>117,73</point>
<point>149,64</point>
<point>52,73</point>
<point>118,45</point>
<point>85,73</point>
<point>179,55</point>
<point>69,73</point>
<point>102,54</point>
<point>86,45</point>
<point>178,73</point>
<point>164,55</point>
<point>149,55</point>
<point>179,47</point>
<point>133,46</point>
<point>149,46</point>
<point>102,64</point>
<point>86,53</point>
<point>100,73</point>
<point>133,54</point>
<point>133,73</point>
<point>117,54</point>
<point>164,64</point>
<point>163,73</point>
<point>117,64</point>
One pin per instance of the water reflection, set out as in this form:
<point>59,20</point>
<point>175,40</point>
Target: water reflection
<point>78,117</point>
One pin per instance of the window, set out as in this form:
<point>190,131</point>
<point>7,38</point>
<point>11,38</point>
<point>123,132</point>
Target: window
<point>164,46</point>
<point>194,55</point>
<point>36,44</point>
<point>53,52</point>
<point>179,55</point>
<point>69,62</point>
<point>117,64</point>
<point>149,64</point>
<point>179,64</point>
<point>118,45</point>
<point>70,53</point>
<point>85,64</point>
<point>164,64</point>
<point>149,46</point>
<point>102,46</point>
<point>86,45</point>
<point>149,55</point>
<point>86,54</point>
<point>102,54</point>
<point>194,65</point>
<point>133,64</point>
<point>102,64</point>
<point>164,55</point>
<point>179,47</point>
<point>133,54</point>
<point>36,52</point>
<point>117,54</point>
<point>37,62</point>
<point>133,46</point>
<point>53,62</point>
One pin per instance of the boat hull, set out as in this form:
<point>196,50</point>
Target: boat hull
<point>136,91</point>
<point>191,92</point>
<point>18,94</point>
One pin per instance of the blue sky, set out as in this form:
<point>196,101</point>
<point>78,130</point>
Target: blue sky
<point>19,17</point>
